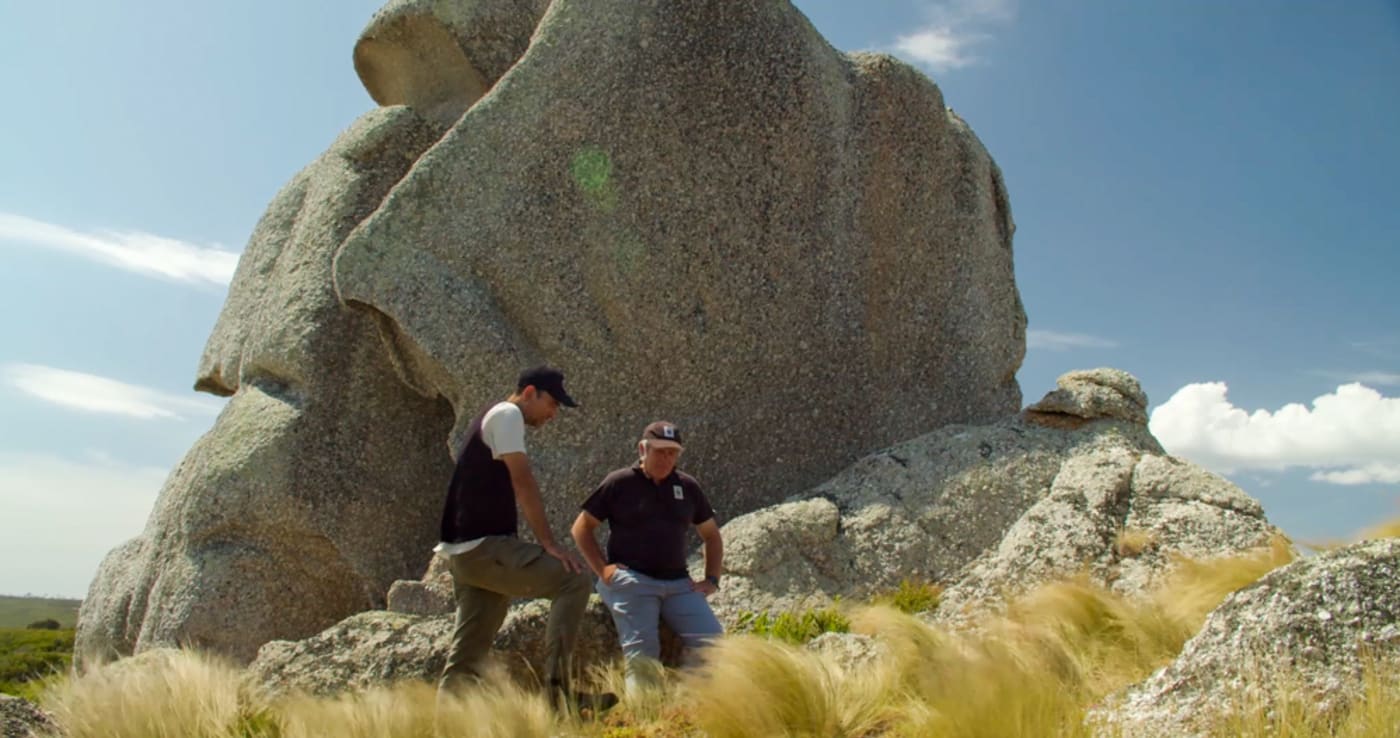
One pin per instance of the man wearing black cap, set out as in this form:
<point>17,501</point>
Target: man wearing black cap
<point>649,508</point>
<point>489,564</point>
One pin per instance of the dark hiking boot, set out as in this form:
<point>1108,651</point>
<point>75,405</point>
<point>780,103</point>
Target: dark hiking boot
<point>583,704</point>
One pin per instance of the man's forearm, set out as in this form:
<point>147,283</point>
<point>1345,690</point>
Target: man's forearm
<point>527,496</point>
<point>587,545</point>
<point>714,556</point>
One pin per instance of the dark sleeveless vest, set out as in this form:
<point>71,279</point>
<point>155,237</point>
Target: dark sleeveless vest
<point>480,498</point>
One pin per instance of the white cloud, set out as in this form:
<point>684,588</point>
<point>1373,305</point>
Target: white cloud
<point>953,28</point>
<point>1350,436</point>
<point>59,517</point>
<point>939,47</point>
<point>142,253</point>
<point>94,394</point>
<point>1367,474</point>
<point>1053,341</point>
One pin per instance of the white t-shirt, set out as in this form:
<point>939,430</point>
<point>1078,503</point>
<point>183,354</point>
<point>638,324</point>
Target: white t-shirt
<point>503,431</point>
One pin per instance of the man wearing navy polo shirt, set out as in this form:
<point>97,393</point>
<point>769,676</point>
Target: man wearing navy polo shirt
<point>649,508</point>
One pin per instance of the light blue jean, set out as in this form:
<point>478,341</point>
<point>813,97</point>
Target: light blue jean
<point>638,603</point>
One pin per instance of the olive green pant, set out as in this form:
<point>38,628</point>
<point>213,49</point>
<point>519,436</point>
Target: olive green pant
<point>485,579</point>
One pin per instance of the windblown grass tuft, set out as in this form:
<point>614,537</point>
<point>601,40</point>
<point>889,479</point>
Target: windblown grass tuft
<point>1036,670</point>
<point>412,710</point>
<point>159,694</point>
<point>756,686</point>
<point>1288,709</point>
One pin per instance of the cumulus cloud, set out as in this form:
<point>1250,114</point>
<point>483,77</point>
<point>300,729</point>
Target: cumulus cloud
<point>94,394</point>
<point>60,516</point>
<point>953,28</point>
<point>1053,341</point>
<point>1350,436</point>
<point>141,253</point>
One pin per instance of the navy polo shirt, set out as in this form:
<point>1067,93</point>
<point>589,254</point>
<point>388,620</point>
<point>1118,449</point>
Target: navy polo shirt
<point>648,522</point>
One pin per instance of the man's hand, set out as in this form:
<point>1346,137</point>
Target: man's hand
<point>609,571</point>
<point>570,561</point>
<point>703,586</point>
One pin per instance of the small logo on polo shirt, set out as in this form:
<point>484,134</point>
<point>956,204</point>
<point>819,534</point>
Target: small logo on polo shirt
<point>679,491</point>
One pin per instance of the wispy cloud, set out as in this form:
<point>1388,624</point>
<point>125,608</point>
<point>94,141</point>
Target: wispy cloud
<point>1384,379</point>
<point>1368,474</point>
<point>1368,378</point>
<point>94,394</point>
<point>1350,436</point>
<point>142,253</point>
<point>1387,347</point>
<point>1054,341</point>
<point>61,516</point>
<point>953,27</point>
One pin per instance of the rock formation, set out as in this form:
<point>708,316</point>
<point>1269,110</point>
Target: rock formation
<point>21,719</point>
<point>316,487</point>
<point>992,510</point>
<point>703,212</point>
<point>375,648</point>
<point>1311,627</point>
<point>700,211</point>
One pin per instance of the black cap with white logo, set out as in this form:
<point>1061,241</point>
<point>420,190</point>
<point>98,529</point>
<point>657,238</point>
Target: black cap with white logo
<point>662,434</point>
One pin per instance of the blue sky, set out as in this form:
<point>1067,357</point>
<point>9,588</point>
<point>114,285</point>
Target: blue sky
<point>1207,195</point>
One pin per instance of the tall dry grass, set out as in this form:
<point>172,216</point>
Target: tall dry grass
<point>1285,708</point>
<point>754,686</point>
<point>159,694</point>
<point>413,710</point>
<point>1034,671</point>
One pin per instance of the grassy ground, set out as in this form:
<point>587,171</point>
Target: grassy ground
<point>17,612</point>
<point>28,657</point>
<point>1037,671</point>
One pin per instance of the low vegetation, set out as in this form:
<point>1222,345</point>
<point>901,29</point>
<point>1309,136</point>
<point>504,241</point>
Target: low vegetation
<point>20,612</point>
<point>794,627</point>
<point>1035,671</point>
<point>912,596</point>
<point>29,656</point>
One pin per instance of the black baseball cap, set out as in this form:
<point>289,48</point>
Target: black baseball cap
<point>548,379</point>
<point>663,434</point>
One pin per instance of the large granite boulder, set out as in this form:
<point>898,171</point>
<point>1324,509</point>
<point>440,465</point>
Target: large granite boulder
<point>19,718</point>
<point>992,510</point>
<point>318,485</point>
<point>1311,628</point>
<point>704,212</point>
<point>1077,486</point>
<point>700,211</point>
<point>380,647</point>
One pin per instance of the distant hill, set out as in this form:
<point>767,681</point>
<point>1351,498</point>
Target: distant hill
<point>17,612</point>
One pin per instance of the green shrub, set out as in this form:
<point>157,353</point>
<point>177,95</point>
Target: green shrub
<point>913,596</point>
<point>794,627</point>
<point>28,656</point>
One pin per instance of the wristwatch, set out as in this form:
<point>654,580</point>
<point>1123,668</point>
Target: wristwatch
<point>712,579</point>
